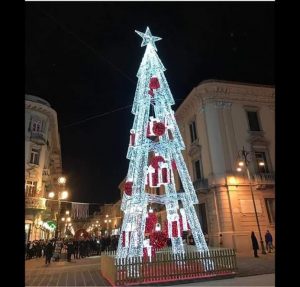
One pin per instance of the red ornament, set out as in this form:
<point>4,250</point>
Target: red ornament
<point>159,129</point>
<point>158,239</point>
<point>128,187</point>
<point>155,160</point>
<point>154,83</point>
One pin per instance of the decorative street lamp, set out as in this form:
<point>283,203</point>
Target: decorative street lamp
<point>61,195</point>
<point>245,158</point>
<point>107,221</point>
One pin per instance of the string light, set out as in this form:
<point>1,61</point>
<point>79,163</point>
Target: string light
<point>153,91</point>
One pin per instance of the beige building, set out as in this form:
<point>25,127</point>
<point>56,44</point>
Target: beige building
<point>216,120</point>
<point>43,166</point>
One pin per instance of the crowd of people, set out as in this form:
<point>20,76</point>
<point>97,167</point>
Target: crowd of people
<point>81,248</point>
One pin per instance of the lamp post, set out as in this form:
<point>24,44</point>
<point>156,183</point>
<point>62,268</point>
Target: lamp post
<point>62,194</point>
<point>67,219</point>
<point>244,161</point>
<point>107,221</point>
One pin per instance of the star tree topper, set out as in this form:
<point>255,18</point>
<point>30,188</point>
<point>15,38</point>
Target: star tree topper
<point>148,38</point>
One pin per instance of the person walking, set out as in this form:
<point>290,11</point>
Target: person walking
<point>70,250</point>
<point>269,241</point>
<point>254,244</point>
<point>48,252</point>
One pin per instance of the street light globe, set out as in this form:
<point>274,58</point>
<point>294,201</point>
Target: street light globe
<point>62,180</point>
<point>51,194</point>
<point>105,221</point>
<point>69,219</point>
<point>62,219</point>
<point>106,215</point>
<point>239,169</point>
<point>109,220</point>
<point>64,194</point>
<point>241,163</point>
<point>261,163</point>
<point>67,212</point>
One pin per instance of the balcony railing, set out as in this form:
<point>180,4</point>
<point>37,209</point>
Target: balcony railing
<point>38,137</point>
<point>264,178</point>
<point>35,202</point>
<point>201,184</point>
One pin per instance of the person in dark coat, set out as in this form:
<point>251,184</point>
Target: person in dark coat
<point>48,252</point>
<point>70,250</point>
<point>269,241</point>
<point>254,244</point>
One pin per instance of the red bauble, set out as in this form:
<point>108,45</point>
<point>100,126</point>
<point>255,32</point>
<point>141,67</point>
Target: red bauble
<point>159,129</point>
<point>158,239</point>
<point>155,160</point>
<point>128,187</point>
<point>154,83</point>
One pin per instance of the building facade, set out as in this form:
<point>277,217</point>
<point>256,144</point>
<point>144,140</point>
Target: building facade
<point>216,120</point>
<point>43,166</point>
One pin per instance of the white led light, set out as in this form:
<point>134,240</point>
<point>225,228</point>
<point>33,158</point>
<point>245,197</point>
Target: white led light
<point>153,90</point>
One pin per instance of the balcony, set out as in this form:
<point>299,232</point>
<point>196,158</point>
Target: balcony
<point>201,184</point>
<point>264,180</point>
<point>35,203</point>
<point>38,137</point>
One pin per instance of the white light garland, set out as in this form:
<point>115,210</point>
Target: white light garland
<point>153,90</point>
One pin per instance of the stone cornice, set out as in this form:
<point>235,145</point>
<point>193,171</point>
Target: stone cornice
<point>217,91</point>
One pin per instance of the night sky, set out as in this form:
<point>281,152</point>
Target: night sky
<point>83,59</point>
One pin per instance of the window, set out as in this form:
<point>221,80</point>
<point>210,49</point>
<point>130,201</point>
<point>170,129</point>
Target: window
<point>193,131</point>
<point>197,167</point>
<point>36,126</point>
<point>30,189</point>
<point>35,156</point>
<point>253,121</point>
<point>261,157</point>
<point>157,191</point>
<point>270,205</point>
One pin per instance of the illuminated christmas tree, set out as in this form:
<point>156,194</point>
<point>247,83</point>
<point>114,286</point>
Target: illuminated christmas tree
<point>154,152</point>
